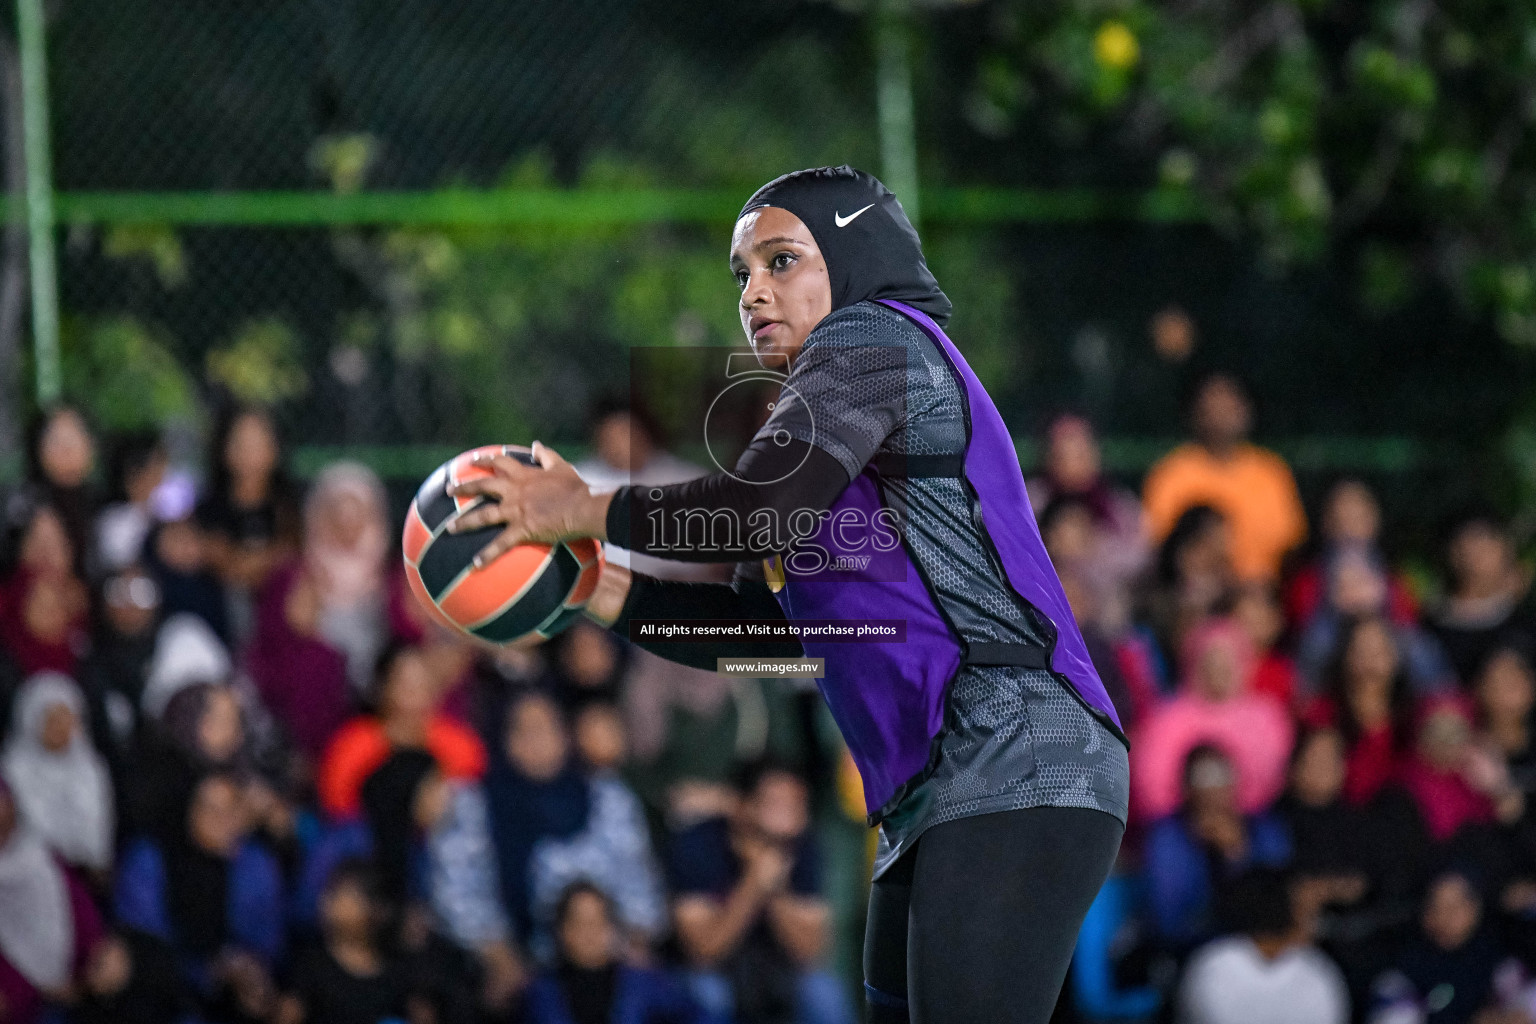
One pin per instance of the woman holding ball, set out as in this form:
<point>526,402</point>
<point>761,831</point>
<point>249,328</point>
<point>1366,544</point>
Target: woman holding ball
<point>992,758</point>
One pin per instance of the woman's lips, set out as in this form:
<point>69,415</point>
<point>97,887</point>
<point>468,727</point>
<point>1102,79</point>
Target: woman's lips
<point>761,330</point>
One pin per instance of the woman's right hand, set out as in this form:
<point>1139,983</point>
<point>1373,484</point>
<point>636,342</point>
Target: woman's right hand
<point>608,598</point>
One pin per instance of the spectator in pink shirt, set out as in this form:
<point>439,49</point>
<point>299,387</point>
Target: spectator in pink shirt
<point>1215,706</point>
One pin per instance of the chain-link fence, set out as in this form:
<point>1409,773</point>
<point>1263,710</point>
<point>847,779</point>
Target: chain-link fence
<point>406,222</point>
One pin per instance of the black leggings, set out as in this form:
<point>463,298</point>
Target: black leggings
<point>976,924</point>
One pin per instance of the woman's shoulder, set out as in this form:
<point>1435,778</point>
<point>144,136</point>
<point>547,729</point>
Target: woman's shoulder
<point>866,323</point>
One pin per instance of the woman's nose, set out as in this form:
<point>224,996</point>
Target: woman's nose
<point>756,292</point>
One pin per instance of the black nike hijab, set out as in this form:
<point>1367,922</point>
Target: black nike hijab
<point>872,250</point>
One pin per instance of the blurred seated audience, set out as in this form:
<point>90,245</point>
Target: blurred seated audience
<point>60,458</point>
<point>1117,547</point>
<point>627,449</point>
<point>552,825</point>
<point>591,984</point>
<point>1445,973</point>
<point>688,730</point>
<point>1489,594</point>
<point>1358,588</point>
<point>1505,694</point>
<point>137,467</point>
<point>1190,855</point>
<point>427,838</point>
<point>1357,870</point>
<point>589,662</point>
<point>249,515</point>
<point>59,780</point>
<point>350,975</point>
<point>133,978</point>
<point>204,729</point>
<point>214,894</point>
<point>1367,697</point>
<point>323,619</point>
<point>1215,705</point>
<point>1351,522</point>
<point>176,556</point>
<point>1069,533</point>
<point>114,675</point>
<point>1267,971</point>
<point>1191,581</point>
<point>1455,782</point>
<point>49,928</point>
<point>1257,609</point>
<point>1250,486</point>
<point>748,907</point>
<point>44,607</point>
<point>407,702</point>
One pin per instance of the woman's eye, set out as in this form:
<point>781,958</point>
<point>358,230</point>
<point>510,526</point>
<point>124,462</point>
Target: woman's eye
<point>741,278</point>
<point>782,260</point>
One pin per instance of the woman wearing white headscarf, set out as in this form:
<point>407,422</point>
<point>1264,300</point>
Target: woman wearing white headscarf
<point>48,925</point>
<point>59,780</point>
<point>323,620</point>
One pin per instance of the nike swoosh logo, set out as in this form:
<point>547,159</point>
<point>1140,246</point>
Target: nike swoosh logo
<point>842,221</point>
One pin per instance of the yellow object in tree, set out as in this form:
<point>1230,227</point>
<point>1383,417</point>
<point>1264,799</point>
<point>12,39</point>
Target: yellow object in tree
<point>1115,46</point>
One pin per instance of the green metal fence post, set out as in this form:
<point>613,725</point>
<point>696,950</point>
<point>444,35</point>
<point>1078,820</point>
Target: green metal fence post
<point>45,292</point>
<point>893,101</point>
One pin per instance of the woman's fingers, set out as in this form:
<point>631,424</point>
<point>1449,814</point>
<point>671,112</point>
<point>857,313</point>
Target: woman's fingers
<point>546,456</point>
<point>509,538</point>
<point>489,513</point>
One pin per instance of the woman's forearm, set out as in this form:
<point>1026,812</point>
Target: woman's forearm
<point>774,495</point>
<point>623,596</point>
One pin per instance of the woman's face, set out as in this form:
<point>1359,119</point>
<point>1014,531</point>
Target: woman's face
<point>180,546</point>
<point>1210,785</point>
<point>251,450</point>
<point>220,730</point>
<point>345,518</point>
<point>1451,912</point>
<point>1072,459</point>
<point>346,910</point>
<point>411,691</point>
<point>47,609</point>
<point>600,738</point>
<point>1480,555</point>
<point>1352,515</point>
<point>785,288</point>
<point>1219,671</point>
<point>587,935</point>
<point>45,545</point>
<point>1505,689</point>
<point>1317,777</point>
<point>1258,611</point>
<point>1372,658</point>
<point>536,740</point>
<point>216,820</point>
<point>587,658</point>
<point>59,724</point>
<point>1208,554</point>
<point>65,450</point>
<point>1073,537</point>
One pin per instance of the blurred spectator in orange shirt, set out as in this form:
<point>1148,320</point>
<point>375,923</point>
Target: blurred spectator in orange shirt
<point>1251,486</point>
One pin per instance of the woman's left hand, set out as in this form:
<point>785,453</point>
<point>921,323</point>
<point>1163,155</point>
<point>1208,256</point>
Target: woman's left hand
<point>538,505</point>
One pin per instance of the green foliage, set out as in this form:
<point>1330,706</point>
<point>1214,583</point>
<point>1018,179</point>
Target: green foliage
<point>1400,128</point>
<point>260,363</point>
<point>123,372</point>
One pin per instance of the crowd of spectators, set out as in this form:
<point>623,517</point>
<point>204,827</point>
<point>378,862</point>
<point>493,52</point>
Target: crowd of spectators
<point>1331,771</point>
<point>246,779</point>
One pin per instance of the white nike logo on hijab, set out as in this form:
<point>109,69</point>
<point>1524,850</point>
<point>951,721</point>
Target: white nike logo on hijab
<point>843,222</point>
